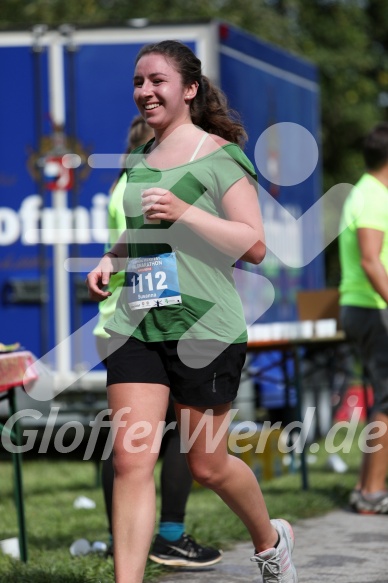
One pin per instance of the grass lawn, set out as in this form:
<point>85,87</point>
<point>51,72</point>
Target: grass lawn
<point>51,486</point>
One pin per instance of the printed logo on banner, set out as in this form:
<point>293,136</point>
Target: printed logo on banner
<point>57,158</point>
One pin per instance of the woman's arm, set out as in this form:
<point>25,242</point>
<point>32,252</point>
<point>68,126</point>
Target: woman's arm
<point>371,242</point>
<point>111,262</point>
<point>240,235</point>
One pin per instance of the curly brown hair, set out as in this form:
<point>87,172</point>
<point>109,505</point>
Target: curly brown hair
<point>209,108</point>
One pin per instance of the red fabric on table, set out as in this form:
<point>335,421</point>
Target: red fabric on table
<point>16,369</point>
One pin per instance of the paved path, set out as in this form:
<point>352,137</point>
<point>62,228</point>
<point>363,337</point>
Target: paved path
<point>340,547</point>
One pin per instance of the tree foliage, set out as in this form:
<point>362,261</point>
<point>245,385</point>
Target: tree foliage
<point>347,39</point>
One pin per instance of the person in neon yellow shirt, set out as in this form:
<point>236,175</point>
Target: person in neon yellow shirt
<point>363,248</point>
<point>172,546</point>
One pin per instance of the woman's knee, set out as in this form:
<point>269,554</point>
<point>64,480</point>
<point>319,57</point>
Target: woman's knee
<point>205,472</point>
<point>125,463</point>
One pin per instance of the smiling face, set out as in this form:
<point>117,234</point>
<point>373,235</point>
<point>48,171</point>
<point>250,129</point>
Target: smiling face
<point>159,94</point>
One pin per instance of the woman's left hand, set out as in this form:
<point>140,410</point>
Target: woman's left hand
<point>161,204</point>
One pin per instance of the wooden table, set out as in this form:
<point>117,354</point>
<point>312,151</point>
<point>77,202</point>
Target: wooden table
<point>16,371</point>
<point>292,348</point>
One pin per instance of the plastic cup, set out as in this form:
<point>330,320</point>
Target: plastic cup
<point>325,328</point>
<point>336,463</point>
<point>146,220</point>
<point>292,330</point>
<point>259,332</point>
<point>277,330</point>
<point>10,546</point>
<point>306,328</point>
<point>80,547</point>
<point>99,547</point>
<point>84,502</point>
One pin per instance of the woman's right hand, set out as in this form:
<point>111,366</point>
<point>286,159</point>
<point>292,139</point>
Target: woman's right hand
<point>99,278</point>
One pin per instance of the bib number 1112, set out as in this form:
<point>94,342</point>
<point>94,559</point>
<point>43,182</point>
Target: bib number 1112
<point>140,282</point>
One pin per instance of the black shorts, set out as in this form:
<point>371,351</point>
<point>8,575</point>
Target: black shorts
<point>200,373</point>
<point>367,328</point>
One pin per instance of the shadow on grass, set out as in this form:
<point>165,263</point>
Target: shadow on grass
<point>56,568</point>
<point>49,476</point>
<point>38,575</point>
<point>43,489</point>
<point>318,470</point>
<point>47,543</point>
<point>336,497</point>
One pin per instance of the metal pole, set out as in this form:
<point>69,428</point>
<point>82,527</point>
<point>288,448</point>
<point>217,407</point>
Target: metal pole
<point>67,31</point>
<point>299,392</point>
<point>19,498</point>
<point>37,49</point>
<point>60,251</point>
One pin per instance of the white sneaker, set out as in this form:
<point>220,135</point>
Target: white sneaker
<point>276,564</point>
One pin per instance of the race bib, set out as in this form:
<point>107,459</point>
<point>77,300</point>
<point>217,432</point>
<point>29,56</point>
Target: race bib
<point>152,282</point>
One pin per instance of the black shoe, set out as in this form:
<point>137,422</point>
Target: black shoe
<point>184,552</point>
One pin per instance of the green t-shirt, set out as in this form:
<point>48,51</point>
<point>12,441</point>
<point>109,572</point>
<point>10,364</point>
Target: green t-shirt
<point>211,307</point>
<point>365,207</point>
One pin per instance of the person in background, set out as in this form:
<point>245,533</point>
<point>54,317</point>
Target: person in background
<point>363,248</point>
<point>172,546</point>
<point>192,210</point>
